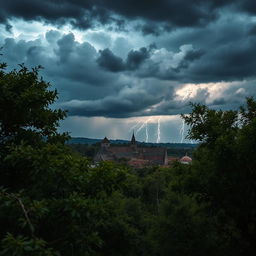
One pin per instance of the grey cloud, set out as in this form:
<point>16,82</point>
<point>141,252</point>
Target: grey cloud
<point>136,58</point>
<point>66,46</point>
<point>113,63</point>
<point>235,95</point>
<point>121,47</point>
<point>110,62</point>
<point>141,82</point>
<point>68,65</point>
<point>173,106</point>
<point>47,11</point>
<point>221,52</point>
<point>132,100</point>
<point>247,6</point>
<point>52,36</point>
<point>252,31</point>
<point>234,61</point>
<point>197,42</point>
<point>87,13</point>
<point>101,39</point>
<point>179,13</point>
<point>189,57</point>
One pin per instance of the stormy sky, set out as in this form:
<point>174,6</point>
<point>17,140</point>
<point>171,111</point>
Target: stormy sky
<point>131,65</point>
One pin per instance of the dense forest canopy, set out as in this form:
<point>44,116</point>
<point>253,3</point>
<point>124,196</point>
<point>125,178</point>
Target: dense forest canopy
<point>54,202</point>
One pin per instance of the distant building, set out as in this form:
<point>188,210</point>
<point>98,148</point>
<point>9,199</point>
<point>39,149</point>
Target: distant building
<point>135,156</point>
<point>186,160</point>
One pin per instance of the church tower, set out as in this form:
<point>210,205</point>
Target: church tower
<point>105,143</point>
<point>133,142</point>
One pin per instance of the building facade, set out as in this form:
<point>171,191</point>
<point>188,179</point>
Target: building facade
<point>135,155</point>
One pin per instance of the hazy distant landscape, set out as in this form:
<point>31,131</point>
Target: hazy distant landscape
<point>89,147</point>
<point>89,141</point>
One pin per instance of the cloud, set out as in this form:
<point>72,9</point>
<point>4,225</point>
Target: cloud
<point>68,65</point>
<point>105,77</point>
<point>52,36</point>
<point>131,100</point>
<point>247,6</point>
<point>189,57</point>
<point>47,11</point>
<point>124,74</point>
<point>86,14</point>
<point>110,62</point>
<point>136,58</point>
<point>218,52</point>
<point>113,63</point>
<point>99,39</point>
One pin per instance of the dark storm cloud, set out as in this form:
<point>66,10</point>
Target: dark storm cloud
<point>85,89</point>
<point>225,63</point>
<point>228,63</point>
<point>210,42</point>
<point>86,13</point>
<point>189,57</point>
<point>179,13</point>
<point>68,65</point>
<point>223,51</point>
<point>132,100</point>
<point>110,61</point>
<point>57,12</point>
<point>247,6</point>
<point>74,69</point>
<point>235,95</point>
<point>108,107</point>
<point>136,58</point>
<point>252,31</point>
<point>113,63</point>
<point>144,102</point>
<point>106,68</point>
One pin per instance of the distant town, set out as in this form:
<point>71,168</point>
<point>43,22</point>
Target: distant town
<point>135,154</point>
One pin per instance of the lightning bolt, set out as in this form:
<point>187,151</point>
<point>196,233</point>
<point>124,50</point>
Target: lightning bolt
<point>182,129</point>
<point>158,131</point>
<point>146,131</point>
<point>134,126</point>
<point>143,125</point>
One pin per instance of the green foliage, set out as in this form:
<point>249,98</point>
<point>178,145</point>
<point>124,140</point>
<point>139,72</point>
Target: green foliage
<point>85,149</point>
<point>182,228</point>
<point>224,172</point>
<point>24,106</point>
<point>23,246</point>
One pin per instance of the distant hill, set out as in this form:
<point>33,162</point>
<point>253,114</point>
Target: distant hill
<point>81,140</point>
<point>88,141</point>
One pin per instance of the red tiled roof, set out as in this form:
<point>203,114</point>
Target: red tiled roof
<point>120,149</point>
<point>172,159</point>
<point>145,154</point>
<point>138,162</point>
<point>186,159</point>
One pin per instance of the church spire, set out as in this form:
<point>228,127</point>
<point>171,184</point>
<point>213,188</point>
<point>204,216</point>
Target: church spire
<point>133,141</point>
